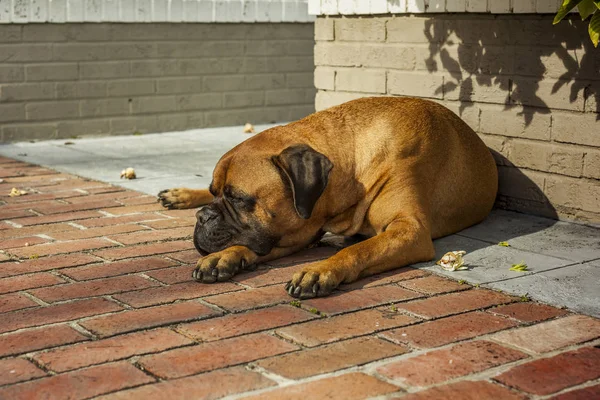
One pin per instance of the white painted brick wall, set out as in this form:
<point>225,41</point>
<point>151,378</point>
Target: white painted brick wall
<point>349,7</point>
<point>60,11</point>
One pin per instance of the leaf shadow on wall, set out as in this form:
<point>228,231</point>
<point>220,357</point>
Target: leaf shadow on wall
<point>511,60</point>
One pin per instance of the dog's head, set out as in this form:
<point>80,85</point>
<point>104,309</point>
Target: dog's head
<point>263,200</point>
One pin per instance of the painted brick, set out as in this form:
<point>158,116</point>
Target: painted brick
<point>357,299</point>
<point>575,128</point>
<point>591,164</point>
<point>147,318</point>
<point>557,334</point>
<point>363,30</point>
<point>558,159</point>
<point>548,375</point>
<point>569,192</point>
<point>84,383</point>
<point>447,330</point>
<point>112,349</point>
<point>415,84</point>
<point>529,312</point>
<point>387,56</point>
<point>442,365</point>
<point>453,303</point>
<point>209,356</point>
<point>351,386</point>
<point>499,120</point>
<point>57,313</point>
<point>239,380</point>
<point>368,81</point>
<point>467,390</point>
<point>242,324</point>
<point>411,30</point>
<point>36,339</point>
<point>51,72</point>
<point>333,329</point>
<point>18,370</point>
<point>331,357</point>
<point>324,78</point>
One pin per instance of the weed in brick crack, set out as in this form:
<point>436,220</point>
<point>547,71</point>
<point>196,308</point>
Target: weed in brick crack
<point>314,311</point>
<point>296,303</point>
<point>34,257</point>
<point>461,282</point>
<point>525,298</point>
<point>393,308</point>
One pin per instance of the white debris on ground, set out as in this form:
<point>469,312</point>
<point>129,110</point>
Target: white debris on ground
<point>453,261</point>
<point>128,173</point>
<point>248,128</point>
<point>14,192</point>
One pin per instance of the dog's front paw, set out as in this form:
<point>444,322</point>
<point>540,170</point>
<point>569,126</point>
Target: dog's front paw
<point>313,281</point>
<point>179,198</point>
<point>219,267</point>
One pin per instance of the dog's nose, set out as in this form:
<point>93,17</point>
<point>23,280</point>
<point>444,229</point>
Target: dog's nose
<point>205,214</point>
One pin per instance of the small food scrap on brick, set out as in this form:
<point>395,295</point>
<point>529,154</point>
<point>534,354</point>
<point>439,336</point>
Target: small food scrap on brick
<point>128,173</point>
<point>453,261</point>
<point>14,192</point>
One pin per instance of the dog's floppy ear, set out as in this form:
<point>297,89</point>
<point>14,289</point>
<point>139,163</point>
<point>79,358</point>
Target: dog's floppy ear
<point>307,172</point>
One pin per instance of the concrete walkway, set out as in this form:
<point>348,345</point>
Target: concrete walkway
<point>563,258</point>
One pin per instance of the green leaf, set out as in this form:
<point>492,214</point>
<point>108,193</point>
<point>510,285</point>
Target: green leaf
<point>521,267</point>
<point>296,303</point>
<point>594,29</point>
<point>586,8</point>
<point>566,7</point>
<point>504,244</point>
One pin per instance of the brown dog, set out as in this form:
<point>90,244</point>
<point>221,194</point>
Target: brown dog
<point>401,171</point>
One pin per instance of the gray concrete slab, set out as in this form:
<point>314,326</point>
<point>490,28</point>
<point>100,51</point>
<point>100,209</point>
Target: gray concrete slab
<point>489,263</point>
<point>558,253</point>
<point>160,160</point>
<point>539,235</point>
<point>576,287</point>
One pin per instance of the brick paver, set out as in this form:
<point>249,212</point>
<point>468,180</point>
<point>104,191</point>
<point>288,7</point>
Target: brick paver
<point>97,301</point>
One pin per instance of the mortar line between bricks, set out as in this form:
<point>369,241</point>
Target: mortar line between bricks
<point>33,298</point>
<point>569,389</point>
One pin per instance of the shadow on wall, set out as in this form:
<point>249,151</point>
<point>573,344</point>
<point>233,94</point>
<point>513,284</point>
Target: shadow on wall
<point>517,192</point>
<point>524,58</point>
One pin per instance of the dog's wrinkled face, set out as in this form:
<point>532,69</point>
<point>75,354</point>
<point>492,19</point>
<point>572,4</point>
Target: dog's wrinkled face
<point>261,200</point>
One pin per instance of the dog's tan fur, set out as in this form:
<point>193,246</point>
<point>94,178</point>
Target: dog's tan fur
<point>405,171</point>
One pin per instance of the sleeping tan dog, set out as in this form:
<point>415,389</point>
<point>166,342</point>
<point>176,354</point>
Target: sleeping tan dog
<point>400,171</point>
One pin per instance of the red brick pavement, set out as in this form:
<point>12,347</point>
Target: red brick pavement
<point>96,300</point>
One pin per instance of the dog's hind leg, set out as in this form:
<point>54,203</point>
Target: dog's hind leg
<point>183,198</point>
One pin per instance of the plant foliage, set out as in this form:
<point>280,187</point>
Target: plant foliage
<point>586,9</point>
